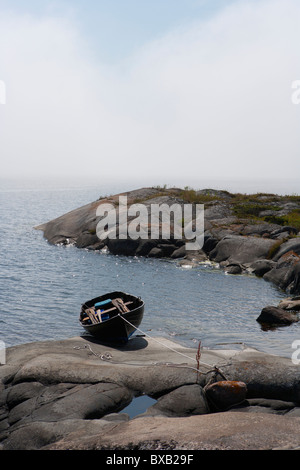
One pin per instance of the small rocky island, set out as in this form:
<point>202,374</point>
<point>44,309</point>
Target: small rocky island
<point>257,234</point>
<point>72,394</point>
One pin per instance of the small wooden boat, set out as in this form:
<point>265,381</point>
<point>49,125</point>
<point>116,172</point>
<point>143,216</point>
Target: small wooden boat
<point>112,317</point>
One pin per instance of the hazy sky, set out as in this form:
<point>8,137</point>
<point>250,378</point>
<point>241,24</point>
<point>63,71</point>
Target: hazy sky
<point>168,89</point>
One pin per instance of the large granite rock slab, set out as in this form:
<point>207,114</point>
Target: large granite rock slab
<point>241,249</point>
<point>71,394</point>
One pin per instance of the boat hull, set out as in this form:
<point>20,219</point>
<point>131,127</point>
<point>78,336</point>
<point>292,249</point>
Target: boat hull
<point>119,327</point>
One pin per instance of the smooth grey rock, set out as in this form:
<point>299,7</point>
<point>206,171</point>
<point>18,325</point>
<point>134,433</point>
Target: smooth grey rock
<point>68,401</point>
<point>126,247</point>
<point>39,434</point>
<point>286,273</point>
<point>294,286</point>
<point>279,380</point>
<point>291,303</point>
<point>276,316</point>
<point>217,211</point>
<point>145,246</point>
<point>263,405</point>
<point>81,393</point>
<point>294,413</point>
<point>240,249</point>
<point>291,245</point>
<point>87,239</point>
<point>285,229</point>
<point>22,392</point>
<point>215,431</point>
<point>233,268</point>
<point>183,401</point>
<point>155,252</point>
<point>179,252</point>
<point>260,229</point>
<point>278,406</point>
<point>262,266</point>
<point>210,243</point>
<point>167,249</point>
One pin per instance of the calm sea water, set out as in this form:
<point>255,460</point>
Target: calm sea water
<point>42,286</point>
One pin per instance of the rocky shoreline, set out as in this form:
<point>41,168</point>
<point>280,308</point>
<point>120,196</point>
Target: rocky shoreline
<point>69,395</point>
<point>242,234</point>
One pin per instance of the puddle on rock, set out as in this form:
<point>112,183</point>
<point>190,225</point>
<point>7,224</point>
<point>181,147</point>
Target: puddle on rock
<point>138,406</point>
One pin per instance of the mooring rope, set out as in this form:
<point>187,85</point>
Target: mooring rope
<point>171,349</point>
<point>104,357</point>
<point>107,356</point>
